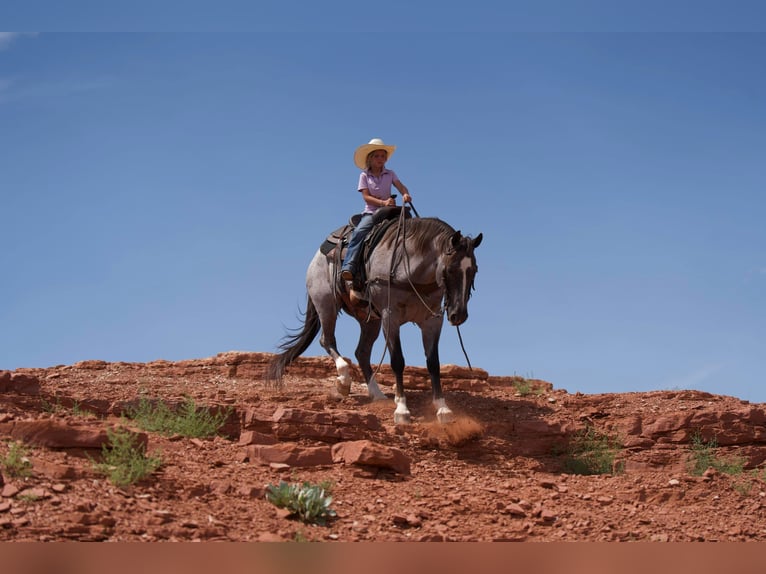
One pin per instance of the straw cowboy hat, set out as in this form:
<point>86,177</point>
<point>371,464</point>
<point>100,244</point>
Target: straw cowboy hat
<point>361,153</point>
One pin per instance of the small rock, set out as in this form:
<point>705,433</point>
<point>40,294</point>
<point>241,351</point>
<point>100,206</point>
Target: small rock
<point>674,482</point>
<point>35,493</point>
<point>414,521</point>
<point>220,486</point>
<point>399,519</point>
<point>431,538</point>
<point>548,516</point>
<point>515,510</point>
<point>270,537</point>
<point>252,491</point>
<point>9,491</point>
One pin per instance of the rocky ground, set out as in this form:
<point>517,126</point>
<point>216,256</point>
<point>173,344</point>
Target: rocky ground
<point>498,473</point>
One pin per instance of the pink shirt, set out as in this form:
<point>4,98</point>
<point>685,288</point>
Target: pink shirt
<point>378,186</point>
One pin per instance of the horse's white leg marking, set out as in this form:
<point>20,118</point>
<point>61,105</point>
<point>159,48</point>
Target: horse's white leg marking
<point>344,377</point>
<point>402,413</point>
<point>443,412</point>
<point>373,390</point>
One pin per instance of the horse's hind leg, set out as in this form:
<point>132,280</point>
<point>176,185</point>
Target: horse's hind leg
<point>327,308</point>
<point>367,337</point>
<point>328,342</point>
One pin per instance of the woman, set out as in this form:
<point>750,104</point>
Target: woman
<point>375,185</point>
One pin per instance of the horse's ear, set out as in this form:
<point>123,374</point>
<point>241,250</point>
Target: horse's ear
<point>477,241</point>
<point>455,239</point>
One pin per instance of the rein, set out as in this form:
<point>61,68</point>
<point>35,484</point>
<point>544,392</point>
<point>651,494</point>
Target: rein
<point>401,232</point>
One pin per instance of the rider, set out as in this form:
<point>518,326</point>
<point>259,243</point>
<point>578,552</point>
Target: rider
<point>375,183</point>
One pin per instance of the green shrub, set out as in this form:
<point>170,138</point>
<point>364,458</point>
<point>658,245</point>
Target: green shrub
<point>16,462</point>
<point>592,452</point>
<point>187,420</point>
<point>310,502</point>
<point>703,456</point>
<point>124,459</point>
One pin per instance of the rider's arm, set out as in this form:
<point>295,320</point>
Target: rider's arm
<point>372,200</point>
<point>406,197</point>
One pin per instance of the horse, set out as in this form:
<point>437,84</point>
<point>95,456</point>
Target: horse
<point>420,270</point>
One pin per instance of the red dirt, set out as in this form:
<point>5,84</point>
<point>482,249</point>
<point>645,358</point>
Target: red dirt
<point>496,473</point>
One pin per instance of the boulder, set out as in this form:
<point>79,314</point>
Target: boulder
<point>368,453</point>
<point>291,454</point>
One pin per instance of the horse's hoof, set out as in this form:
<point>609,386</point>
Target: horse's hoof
<point>343,386</point>
<point>374,392</point>
<point>445,416</point>
<point>402,418</point>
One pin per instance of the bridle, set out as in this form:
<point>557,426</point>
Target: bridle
<point>401,236</point>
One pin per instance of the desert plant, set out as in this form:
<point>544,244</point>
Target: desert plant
<point>79,411</point>
<point>50,407</point>
<point>124,459</point>
<point>592,452</point>
<point>523,387</point>
<point>187,420</point>
<point>57,408</point>
<point>16,462</point>
<point>310,502</point>
<point>704,456</point>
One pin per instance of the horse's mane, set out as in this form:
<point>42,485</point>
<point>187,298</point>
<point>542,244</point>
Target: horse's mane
<point>421,232</point>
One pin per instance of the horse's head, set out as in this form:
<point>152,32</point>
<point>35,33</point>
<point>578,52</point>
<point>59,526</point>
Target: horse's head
<point>457,269</point>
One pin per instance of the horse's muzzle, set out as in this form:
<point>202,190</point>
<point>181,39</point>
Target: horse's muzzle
<point>457,318</point>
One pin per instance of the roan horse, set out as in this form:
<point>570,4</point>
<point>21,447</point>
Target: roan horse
<point>418,264</point>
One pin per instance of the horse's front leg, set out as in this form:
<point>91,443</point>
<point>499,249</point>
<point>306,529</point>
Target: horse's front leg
<point>431,331</point>
<point>369,334</point>
<point>402,414</point>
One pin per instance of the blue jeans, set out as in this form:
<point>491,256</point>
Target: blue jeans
<point>355,245</point>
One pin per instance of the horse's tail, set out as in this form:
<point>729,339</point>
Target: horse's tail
<point>294,345</point>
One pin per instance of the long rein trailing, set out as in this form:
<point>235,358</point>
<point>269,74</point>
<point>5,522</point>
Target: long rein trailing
<point>401,233</point>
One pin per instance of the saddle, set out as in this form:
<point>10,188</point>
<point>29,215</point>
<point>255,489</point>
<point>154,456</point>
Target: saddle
<point>336,245</point>
<point>337,242</point>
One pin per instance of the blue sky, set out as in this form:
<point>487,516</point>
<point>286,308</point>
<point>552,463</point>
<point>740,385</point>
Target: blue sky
<point>163,193</point>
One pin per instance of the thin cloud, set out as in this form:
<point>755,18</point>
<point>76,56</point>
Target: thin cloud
<point>7,38</point>
<point>695,378</point>
<point>13,91</point>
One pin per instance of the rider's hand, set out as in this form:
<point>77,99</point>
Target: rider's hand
<point>390,202</point>
<point>406,198</point>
